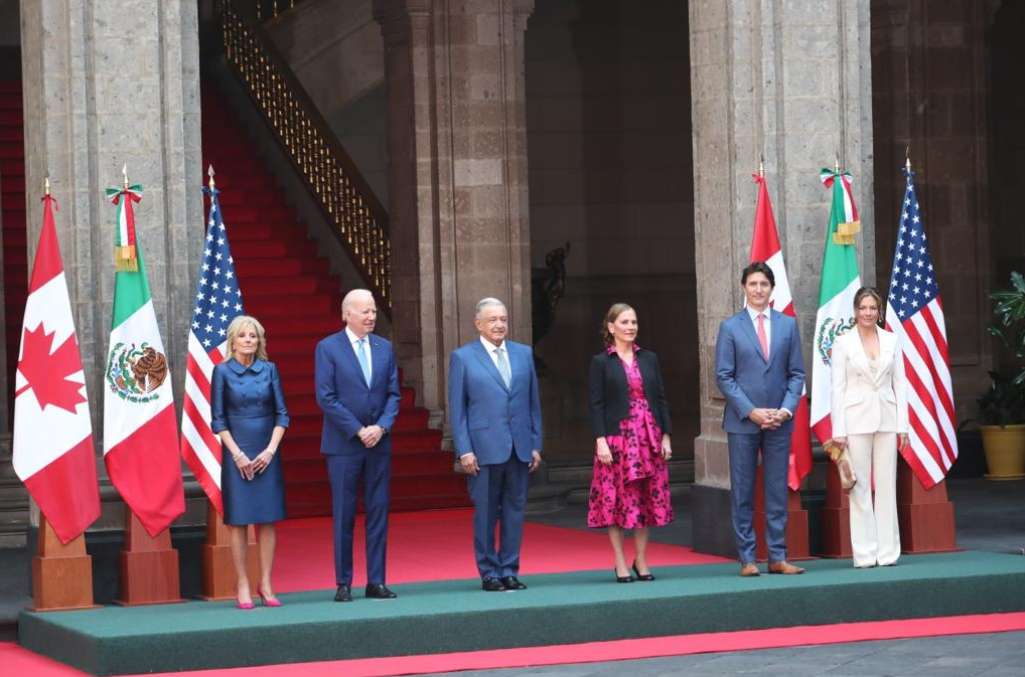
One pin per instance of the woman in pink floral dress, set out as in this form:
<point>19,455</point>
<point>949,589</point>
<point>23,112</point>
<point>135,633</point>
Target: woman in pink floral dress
<point>630,420</point>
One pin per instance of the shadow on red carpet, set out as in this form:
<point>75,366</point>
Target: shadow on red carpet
<point>437,545</point>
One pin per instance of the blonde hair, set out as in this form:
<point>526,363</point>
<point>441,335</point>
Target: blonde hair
<point>236,327</point>
<point>613,313</point>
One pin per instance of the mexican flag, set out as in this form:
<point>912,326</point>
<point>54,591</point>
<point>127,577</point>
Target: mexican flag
<point>765,247</point>
<point>840,280</point>
<point>53,434</point>
<point>140,436</point>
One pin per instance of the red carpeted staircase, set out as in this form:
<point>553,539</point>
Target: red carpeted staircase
<point>12,214</point>
<point>290,289</point>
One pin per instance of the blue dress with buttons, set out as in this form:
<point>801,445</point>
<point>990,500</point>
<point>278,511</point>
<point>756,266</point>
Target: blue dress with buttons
<point>248,402</point>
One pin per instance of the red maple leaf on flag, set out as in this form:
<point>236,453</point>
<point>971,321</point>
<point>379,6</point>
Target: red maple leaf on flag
<point>47,373</point>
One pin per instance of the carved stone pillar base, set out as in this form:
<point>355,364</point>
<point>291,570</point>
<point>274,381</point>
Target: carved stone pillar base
<point>711,527</point>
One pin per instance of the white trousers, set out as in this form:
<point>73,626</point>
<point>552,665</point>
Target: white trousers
<point>875,534</point>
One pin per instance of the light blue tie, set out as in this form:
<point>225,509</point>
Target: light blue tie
<point>361,355</point>
<point>503,366</point>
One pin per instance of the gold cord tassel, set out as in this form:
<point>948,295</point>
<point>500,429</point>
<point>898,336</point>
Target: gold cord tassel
<point>125,260</point>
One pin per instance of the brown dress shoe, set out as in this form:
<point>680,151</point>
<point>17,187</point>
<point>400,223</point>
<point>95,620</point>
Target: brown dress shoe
<point>749,569</point>
<point>785,568</point>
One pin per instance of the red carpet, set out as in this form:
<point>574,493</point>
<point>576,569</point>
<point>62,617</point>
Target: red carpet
<point>417,553</point>
<point>18,661</point>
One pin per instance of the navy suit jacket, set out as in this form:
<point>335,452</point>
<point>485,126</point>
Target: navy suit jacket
<point>345,398</point>
<point>747,379</point>
<point>487,418</point>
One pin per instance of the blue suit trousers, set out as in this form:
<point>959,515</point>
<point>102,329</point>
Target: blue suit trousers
<point>775,448</point>
<point>373,466</point>
<point>499,495</point>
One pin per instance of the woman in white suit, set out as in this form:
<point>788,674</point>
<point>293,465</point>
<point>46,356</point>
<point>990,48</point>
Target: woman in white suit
<point>870,418</point>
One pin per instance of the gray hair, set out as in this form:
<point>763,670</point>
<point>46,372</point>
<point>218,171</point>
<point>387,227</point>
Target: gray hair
<point>485,302</point>
<point>354,294</point>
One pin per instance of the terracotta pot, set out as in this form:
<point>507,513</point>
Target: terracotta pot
<point>1005,451</point>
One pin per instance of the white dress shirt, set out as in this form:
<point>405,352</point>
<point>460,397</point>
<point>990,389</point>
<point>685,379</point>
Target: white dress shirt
<point>768,334</point>
<point>493,351</point>
<point>353,339</point>
<point>768,322</point>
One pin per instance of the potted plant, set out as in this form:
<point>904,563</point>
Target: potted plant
<point>1001,417</point>
<point>1002,407</point>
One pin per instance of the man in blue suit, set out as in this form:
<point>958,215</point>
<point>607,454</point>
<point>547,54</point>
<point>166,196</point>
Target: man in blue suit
<point>760,371</point>
<point>495,412</point>
<point>358,390</point>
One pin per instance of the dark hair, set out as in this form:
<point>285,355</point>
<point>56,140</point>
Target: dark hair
<point>860,295</point>
<point>613,313</point>
<point>758,267</point>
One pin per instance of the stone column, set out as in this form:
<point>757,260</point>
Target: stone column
<point>108,84</point>
<point>790,81</point>
<point>458,180</point>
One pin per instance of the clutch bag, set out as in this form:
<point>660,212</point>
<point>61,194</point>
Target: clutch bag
<point>842,458</point>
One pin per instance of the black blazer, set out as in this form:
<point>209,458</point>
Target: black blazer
<point>609,401</point>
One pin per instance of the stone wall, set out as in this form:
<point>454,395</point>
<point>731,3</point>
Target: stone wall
<point>931,93</point>
<point>610,173</point>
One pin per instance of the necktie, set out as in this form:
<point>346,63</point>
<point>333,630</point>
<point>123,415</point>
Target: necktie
<point>763,338</point>
<point>361,355</point>
<point>503,366</point>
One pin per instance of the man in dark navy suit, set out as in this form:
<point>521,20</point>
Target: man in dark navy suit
<point>358,390</point>
<point>495,411</point>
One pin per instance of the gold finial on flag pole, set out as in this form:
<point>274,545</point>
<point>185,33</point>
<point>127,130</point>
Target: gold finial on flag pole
<point>210,173</point>
<point>124,173</point>
<point>46,185</point>
<point>761,166</point>
<point>836,163</point>
<point>907,157</point>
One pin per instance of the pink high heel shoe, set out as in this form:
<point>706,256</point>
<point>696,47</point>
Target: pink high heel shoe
<point>270,600</point>
<point>245,606</point>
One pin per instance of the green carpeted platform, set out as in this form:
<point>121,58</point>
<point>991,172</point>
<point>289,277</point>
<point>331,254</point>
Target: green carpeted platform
<point>565,608</point>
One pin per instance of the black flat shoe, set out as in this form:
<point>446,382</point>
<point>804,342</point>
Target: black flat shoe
<point>513,583</point>
<point>491,585</point>
<point>640,576</point>
<point>623,579</point>
<point>379,591</point>
<point>343,594</point>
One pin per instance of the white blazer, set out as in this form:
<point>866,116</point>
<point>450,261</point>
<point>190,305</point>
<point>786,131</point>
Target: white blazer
<point>861,402</point>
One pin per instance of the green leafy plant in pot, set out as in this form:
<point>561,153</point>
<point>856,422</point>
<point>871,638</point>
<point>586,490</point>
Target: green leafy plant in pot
<point>1002,407</point>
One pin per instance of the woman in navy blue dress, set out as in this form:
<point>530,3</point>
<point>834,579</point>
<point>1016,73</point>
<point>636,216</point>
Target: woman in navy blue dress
<point>248,413</point>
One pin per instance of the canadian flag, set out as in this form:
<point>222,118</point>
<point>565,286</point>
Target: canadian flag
<point>765,247</point>
<point>53,437</point>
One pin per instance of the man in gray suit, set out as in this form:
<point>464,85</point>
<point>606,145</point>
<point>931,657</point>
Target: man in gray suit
<point>760,371</point>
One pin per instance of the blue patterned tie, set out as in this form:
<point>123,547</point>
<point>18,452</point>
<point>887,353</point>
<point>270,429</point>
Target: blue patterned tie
<point>361,355</point>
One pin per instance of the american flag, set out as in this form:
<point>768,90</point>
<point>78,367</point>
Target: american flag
<point>218,301</point>
<point>915,312</point>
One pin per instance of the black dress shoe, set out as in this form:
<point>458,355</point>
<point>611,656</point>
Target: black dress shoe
<point>343,594</point>
<point>642,577</point>
<point>513,583</point>
<point>492,585</point>
<point>623,579</point>
<point>379,591</point>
